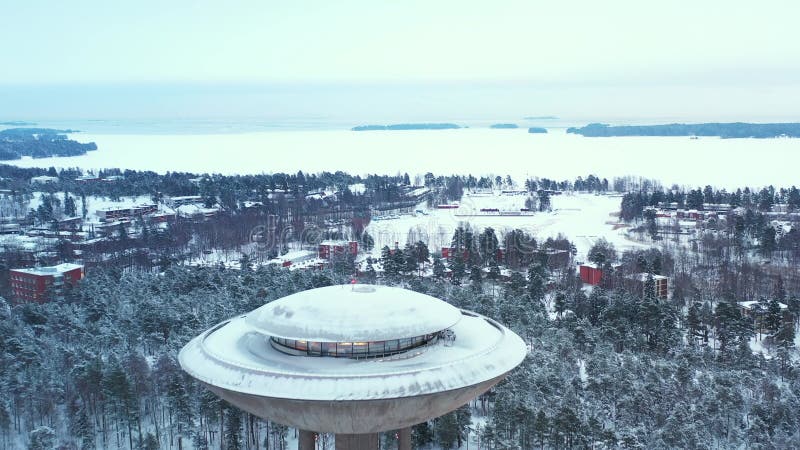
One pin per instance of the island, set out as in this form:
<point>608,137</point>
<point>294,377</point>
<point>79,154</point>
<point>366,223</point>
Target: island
<point>723,130</point>
<point>407,126</point>
<point>537,130</point>
<point>504,126</point>
<point>17,123</point>
<point>540,118</point>
<point>40,143</point>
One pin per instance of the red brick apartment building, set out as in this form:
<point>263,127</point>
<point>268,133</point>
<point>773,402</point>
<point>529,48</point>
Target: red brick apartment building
<point>37,284</point>
<point>327,249</point>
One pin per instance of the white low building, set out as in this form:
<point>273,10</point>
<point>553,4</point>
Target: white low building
<point>44,179</point>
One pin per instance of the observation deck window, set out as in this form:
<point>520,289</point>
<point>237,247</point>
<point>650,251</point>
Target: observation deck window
<point>350,349</point>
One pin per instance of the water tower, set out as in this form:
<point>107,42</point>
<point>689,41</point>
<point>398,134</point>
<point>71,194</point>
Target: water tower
<point>354,360</point>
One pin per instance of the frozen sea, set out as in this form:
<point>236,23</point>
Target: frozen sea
<point>312,147</point>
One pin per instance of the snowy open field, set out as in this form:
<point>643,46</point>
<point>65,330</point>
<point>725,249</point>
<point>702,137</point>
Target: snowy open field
<point>582,218</point>
<point>719,162</point>
<point>93,203</point>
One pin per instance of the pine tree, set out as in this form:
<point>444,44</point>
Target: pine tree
<point>767,240</point>
<point>69,205</point>
<point>473,256</point>
<point>81,427</point>
<point>150,442</point>
<point>181,407</point>
<point>458,243</point>
<point>463,421</point>
<point>794,307</point>
<point>793,198</point>
<point>245,263</point>
<point>488,245</point>
<point>438,268</point>
<point>390,269</point>
<point>233,429</point>
<point>117,386</point>
<point>516,285</point>
<point>650,220</point>
<point>694,200</point>
<point>649,293</point>
<point>476,279</point>
<point>421,255</point>
<point>446,430</point>
<point>42,438</point>
<point>494,274</point>
<point>560,304</point>
<point>408,260</point>
<point>5,413</point>
<point>459,269</point>
<point>421,435</point>
<point>541,427</point>
<point>694,323</point>
<point>536,287</point>
<point>45,210</point>
<point>84,206</point>
<point>544,200</point>
<point>602,253</point>
<point>367,242</point>
<point>566,427</point>
<point>784,339</point>
<point>730,326</point>
<point>369,273</point>
<point>773,317</point>
<point>779,292</point>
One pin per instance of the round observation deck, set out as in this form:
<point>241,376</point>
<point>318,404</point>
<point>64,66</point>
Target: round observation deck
<point>248,361</point>
<point>353,313</point>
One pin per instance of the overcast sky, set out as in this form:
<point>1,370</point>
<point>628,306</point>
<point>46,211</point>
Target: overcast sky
<point>662,49</point>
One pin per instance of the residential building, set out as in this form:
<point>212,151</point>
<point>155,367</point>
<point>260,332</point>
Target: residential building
<point>590,273</point>
<point>329,249</point>
<point>661,284</point>
<point>41,284</point>
<point>44,179</point>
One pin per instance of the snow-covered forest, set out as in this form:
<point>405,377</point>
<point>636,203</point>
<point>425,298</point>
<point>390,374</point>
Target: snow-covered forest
<point>611,369</point>
<point>611,365</point>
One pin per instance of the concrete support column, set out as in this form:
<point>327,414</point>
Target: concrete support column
<point>357,441</point>
<point>306,440</point>
<point>404,441</point>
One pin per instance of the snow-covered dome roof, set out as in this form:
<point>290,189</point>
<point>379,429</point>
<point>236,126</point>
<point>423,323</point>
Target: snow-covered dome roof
<point>357,312</point>
<point>232,356</point>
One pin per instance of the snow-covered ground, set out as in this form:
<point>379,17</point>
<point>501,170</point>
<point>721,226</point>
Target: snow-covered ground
<point>470,150</point>
<point>582,218</point>
<point>94,203</point>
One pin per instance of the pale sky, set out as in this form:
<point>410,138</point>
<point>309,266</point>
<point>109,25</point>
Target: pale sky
<point>565,44</point>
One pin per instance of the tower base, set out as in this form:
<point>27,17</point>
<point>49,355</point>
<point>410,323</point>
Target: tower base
<point>306,440</point>
<point>404,441</point>
<point>357,441</point>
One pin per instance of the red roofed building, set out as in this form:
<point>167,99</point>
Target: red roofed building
<point>591,274</point>
<point>328,249</point>
<point>37,284</point>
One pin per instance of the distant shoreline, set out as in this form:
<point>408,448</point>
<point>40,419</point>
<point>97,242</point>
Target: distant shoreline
<point>16,143</point>
<point>407,126</point>
<point>722,130</point>
<point>17,123</point>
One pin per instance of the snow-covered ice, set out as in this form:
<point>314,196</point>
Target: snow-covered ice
<point>474,150</point>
